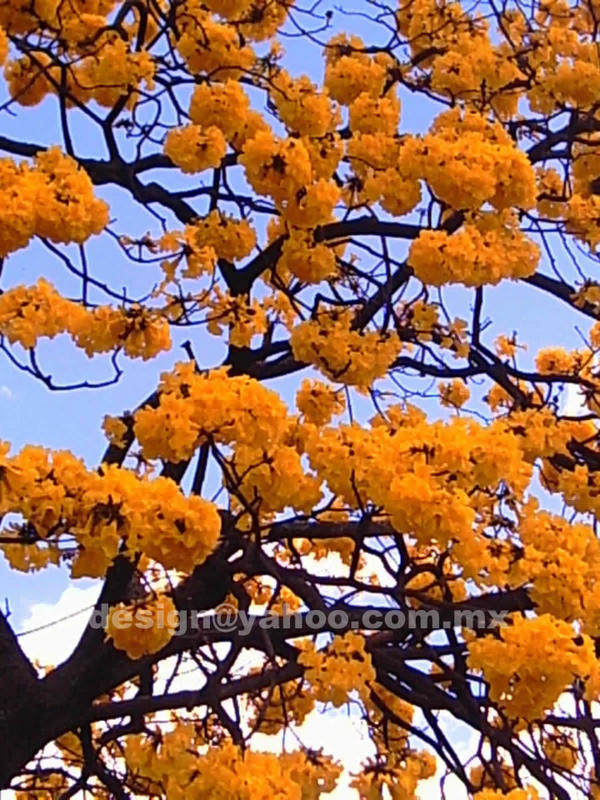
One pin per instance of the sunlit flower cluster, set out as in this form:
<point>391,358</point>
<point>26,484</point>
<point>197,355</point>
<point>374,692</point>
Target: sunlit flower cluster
<point>343,668</point>
<point>249,775</point>
<point>53,198</point>
<point>545,655</point>
<point>144,628</point>
<point>59,497</point>
<point>341,353</point>
<point>195,406</point>
<point>486,251</point>
<point>28,314</point>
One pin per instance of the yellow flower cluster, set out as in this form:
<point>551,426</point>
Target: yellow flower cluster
<point>376,151</point>
<point>551,191</point>
<point>325,154</point>
<point>425,23</point>
<point>200,260</point>
<point>274,479</point>
<point>194,148</point>
<point>318,402</point>
<point>18,17</point>
<point>229,9</point>
<point>453,394</point>
<point>226,106</point>
<point>257,21</point>
<point>296,171</point>
<point>267,19</point>
<point>565,61</point>
<point>394,191</point>
<point>485,778</point>
<point>30,313</point>
<point>30,557</point>
<point>59,497</point>
<point>66,208</point>
<point>588,294</point>
<point>141,332</point>
<point>561,750</point>
<point>579,487</point>
<point>554,360</point>
<point>184,767</point>
<point>142,628</point>
<point>104,72</point>
<point>242,318</point>
<point>585,166</point>
<point>541,435</point>
<point>468,161</point>
<point>506,347</point>
<point>485,251</point>
<point>276,167</point>
<point>288,703</point>
<point>433,479</point>
<point>397,778</point>
<point>283,169</point>
<point>583,214</point>
<point>370,114</point>
<point>54,198</point>
<point>311,205</point>
<point>115,430</point>
<point>4,46</point>
<point>31,77</point>
<point>498,398</point>
<point>208,45</point>
<point>221,105</point>
<point>111,71</point>
<point>544,654</point>
<point>342,354</point>
<point>476,63</point>
<point>350,71</point>
<point>306,260</point>
<point>462,62</point>
<point>230,238</point>
<point>302,108</point>
<point>561,561</point>
<point>195,406</point>
<point>343,668</point>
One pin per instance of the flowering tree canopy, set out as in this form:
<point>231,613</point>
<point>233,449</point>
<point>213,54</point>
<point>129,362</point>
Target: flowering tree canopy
<point>355,414</point>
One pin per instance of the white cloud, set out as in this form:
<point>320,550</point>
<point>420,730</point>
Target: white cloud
<point>574,404</point>
<point>53,643</point>
<point>5,391</point>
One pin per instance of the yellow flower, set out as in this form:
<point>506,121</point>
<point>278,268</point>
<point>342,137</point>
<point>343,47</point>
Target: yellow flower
<point>143,628</point>
<point>194,148</point>
<point>454,393</point>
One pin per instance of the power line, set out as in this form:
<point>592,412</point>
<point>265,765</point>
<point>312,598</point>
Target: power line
<point>56,621</point>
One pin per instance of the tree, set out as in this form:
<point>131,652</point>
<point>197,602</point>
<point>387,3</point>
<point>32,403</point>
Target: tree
<point>375,441</point>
